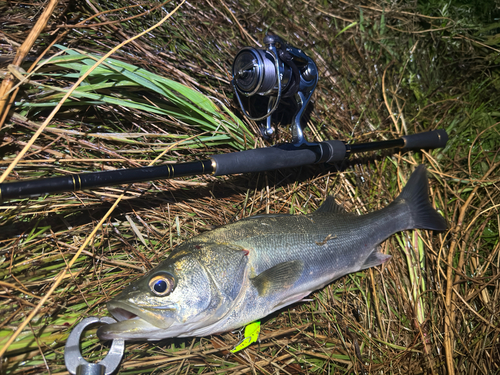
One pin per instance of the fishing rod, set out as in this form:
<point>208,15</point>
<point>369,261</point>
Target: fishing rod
<point>276,72</point>
<point>258,160</point>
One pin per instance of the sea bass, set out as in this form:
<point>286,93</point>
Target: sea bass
<point>226,278</point>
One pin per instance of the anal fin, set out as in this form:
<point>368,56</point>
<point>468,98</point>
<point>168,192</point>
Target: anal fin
<point>375,259</point>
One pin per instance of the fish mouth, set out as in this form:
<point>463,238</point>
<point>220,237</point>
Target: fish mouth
<point>133,322</point>
<point>122,314</point>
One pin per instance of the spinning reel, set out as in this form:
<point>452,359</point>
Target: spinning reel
<point>277,72</point>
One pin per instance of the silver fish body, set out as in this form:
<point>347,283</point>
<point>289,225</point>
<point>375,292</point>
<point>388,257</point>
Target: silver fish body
<point>238,273</point>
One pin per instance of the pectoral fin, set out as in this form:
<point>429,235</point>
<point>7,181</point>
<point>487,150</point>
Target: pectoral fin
<point>277,278</point>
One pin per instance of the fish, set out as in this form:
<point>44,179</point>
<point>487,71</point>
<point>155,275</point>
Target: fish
<point>238,273</point>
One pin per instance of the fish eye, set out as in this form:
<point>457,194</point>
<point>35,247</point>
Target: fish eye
<point>162,285</point>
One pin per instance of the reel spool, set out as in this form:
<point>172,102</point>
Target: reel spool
<point>277,72</point>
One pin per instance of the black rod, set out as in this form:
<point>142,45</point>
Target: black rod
<point>258,160</point>
<point>93,180</point>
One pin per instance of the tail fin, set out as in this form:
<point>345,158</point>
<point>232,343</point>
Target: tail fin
<point>416,195</point>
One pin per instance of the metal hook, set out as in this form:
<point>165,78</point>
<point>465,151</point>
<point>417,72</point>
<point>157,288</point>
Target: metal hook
<point>77,365</point>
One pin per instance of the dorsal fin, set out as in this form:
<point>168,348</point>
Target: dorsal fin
<point>330,206</point>
<point>265,216</point>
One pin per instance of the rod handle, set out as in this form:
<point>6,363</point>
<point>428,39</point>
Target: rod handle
<point>432,139</point>
<point>262,159</point>
<point>281,156</point>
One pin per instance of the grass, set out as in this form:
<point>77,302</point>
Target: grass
<point>385,70</point>
<point>188,107</point>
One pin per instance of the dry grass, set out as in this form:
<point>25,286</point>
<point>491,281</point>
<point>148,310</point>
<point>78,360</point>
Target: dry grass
<point>384,71</point>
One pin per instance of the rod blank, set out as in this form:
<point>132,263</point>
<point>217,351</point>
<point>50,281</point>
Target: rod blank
<point>76,182</point>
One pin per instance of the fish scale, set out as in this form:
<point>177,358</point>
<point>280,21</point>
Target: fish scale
<point>226,278</point>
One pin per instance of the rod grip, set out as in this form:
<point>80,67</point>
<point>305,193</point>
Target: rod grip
<point>433,139</point>
<point>281,156</point>
<point>263,159</point>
